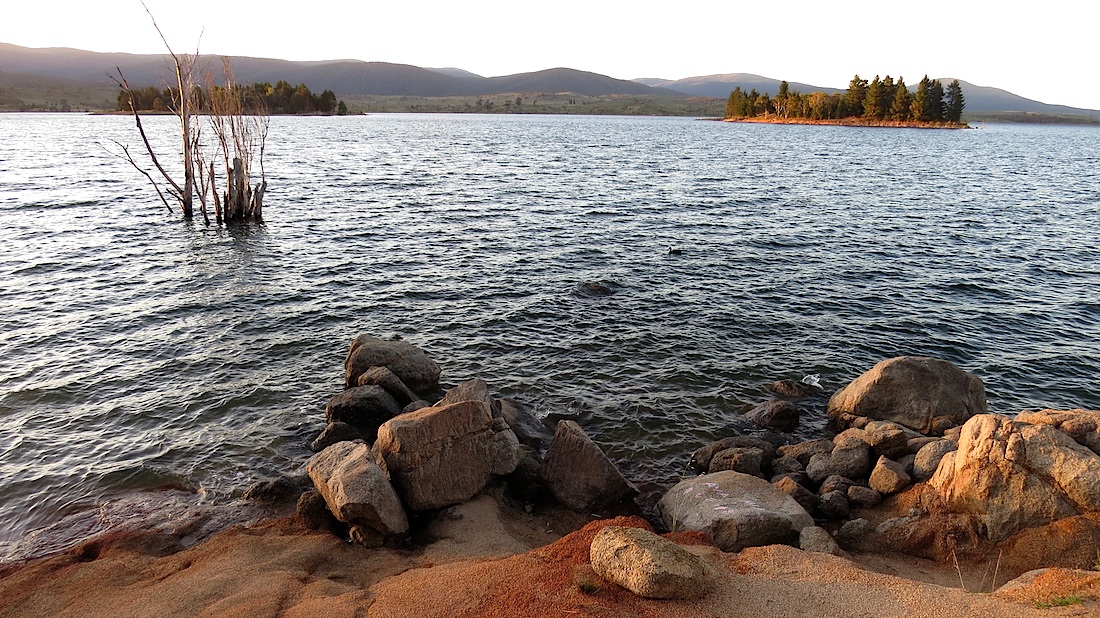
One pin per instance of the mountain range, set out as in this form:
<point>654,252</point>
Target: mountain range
<point>59,68</point>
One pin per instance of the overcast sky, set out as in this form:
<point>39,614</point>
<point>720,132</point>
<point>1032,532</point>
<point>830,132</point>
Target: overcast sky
<point>1045,51</point>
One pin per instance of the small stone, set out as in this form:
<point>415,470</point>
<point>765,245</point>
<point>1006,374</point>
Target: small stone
<point>835,483</point>
<point>743,460</point>
<point>863,497</point>
<point>833,505</point>
<point>801,495</point>
<point>929,456</point>
<point>336,431</point>
<point>775,414</point>
<point>888,477</point>
<point>803,451</point>
<point>816,539</point>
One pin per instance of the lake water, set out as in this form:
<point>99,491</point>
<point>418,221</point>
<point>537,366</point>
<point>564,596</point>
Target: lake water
<point>138,351</point>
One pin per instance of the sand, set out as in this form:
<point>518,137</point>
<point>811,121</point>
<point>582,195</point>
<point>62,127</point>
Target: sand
<point>484,558</point>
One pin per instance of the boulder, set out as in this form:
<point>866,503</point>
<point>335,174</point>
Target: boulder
<point>1081,425</point>
<point>700,459</point>
<point>850,462</point>
<point>921,393</point>
<point>744,460</point>
<point>775,414</point>
<point>786,464</point>
<point>804,497</point>
<point>803,451</point>
<point>834,504</point>
<point>579,474</point>
<point>1012,475</point>
<point>835,483</point>
<point>364,407</point>
<point>356,488</point>
<point>471,390</point>
<point>336,431</point>
<point>888,477</point>
<point>382,376</point>
<point>817,539</point>
<point>504,452</point>
<point>406,361</point>
<point>736,510</point>
<point>887,439</point>
<point>527,427</point>
<point>441,455</point>
<point>793,389</point>
<point>863,497</point>
<point>648,565</point>
<point>928,458</point>
<point>855,534</point>
<point>312,509</point>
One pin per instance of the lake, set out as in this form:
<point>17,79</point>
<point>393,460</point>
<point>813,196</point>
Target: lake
<point>138,351</point>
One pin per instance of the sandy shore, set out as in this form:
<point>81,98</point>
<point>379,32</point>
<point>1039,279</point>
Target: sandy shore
<point>482,559</point>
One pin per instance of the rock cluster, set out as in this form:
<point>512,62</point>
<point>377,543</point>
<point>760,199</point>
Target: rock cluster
<point>386,452</point>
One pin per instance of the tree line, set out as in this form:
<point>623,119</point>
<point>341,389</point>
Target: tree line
<point>259,98</point>
<point>879,99</point>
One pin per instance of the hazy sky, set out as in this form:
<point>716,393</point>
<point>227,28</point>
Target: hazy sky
<point>1045,51</point>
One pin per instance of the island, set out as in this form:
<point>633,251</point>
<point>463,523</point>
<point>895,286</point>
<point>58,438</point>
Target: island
<point>878,103</point>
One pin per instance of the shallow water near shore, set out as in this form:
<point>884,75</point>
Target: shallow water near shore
<point>141,352</point>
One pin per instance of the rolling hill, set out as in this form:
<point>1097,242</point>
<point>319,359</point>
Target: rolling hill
<point>81,77</point>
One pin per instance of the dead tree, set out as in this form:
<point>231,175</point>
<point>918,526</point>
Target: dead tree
<point>240,135</point>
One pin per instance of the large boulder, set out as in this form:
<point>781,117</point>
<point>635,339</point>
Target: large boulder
<point>363,407</point>
<point>527,427</point>
<point>441,455</point>
<point>775,414</point>
<point>382,376</point>
<point>406,361</point>
<point>850,459</point>
<point>648,565</point>
<point>579,474</point>
<point>1081,425</point>
<point>1012,475</point>
<point>924,394</point>
<point>737,510</point>
<point>356,487</point>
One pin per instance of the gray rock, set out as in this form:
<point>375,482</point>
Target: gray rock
<point>887,439</point>
<point>803,451</point>
<point>929,456</point>
<point>406,361</point>
<point>336,431</point>
<point>736,510</point>
<point>816,539</point>
<point>579,474</point>
<point>313,510</point>
<point>364,407</point>
<point>785,464</point>
<point>471,390</point>
<point>835,483</point>
<point>382,376</point>
<point>888,477</point>
<point>527,427</point>
<point>700,459</point>
<point>504,452</point>
<point>918,392</point>
<point>854,534</point>
<point>357,489</point>
<point>833,504</point>
<point>775,414</point>
<point>863,497</point>
<point>648,565</point>
<point>793,389</point>
<point>805,498</point>
<point>744,460</point>
<point>916,444</point>
<point>853,462</point>
<point>439,456</point>
<point>415,405</point>
<point>853,437</point>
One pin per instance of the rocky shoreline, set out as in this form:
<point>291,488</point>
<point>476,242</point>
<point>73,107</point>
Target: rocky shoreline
<point>918,472</point>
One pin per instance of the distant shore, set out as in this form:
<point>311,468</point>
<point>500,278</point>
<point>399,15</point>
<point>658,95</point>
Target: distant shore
<point>851,122</point>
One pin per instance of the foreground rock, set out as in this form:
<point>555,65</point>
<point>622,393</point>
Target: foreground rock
<point>737,510</point>
<point>444,455</point>
<point>579,474</point>
<point>925,394</point>
<point>406,361</point>
<point>357,488</point>
<point>1081,425</point>
<point>648,565</point>
<point>1012,475</point>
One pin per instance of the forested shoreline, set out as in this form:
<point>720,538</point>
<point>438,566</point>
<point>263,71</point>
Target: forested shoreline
<point>880,102</point>
<point>259,98</point>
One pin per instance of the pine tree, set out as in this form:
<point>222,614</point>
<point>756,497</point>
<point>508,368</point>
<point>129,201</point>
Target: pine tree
<point>871,99</point>
<point>899,109</point>
<point>886,100</point>
<point>920,109</point>
<point>955,102</point>
<point>935,101</point>
<point>857,91</point>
